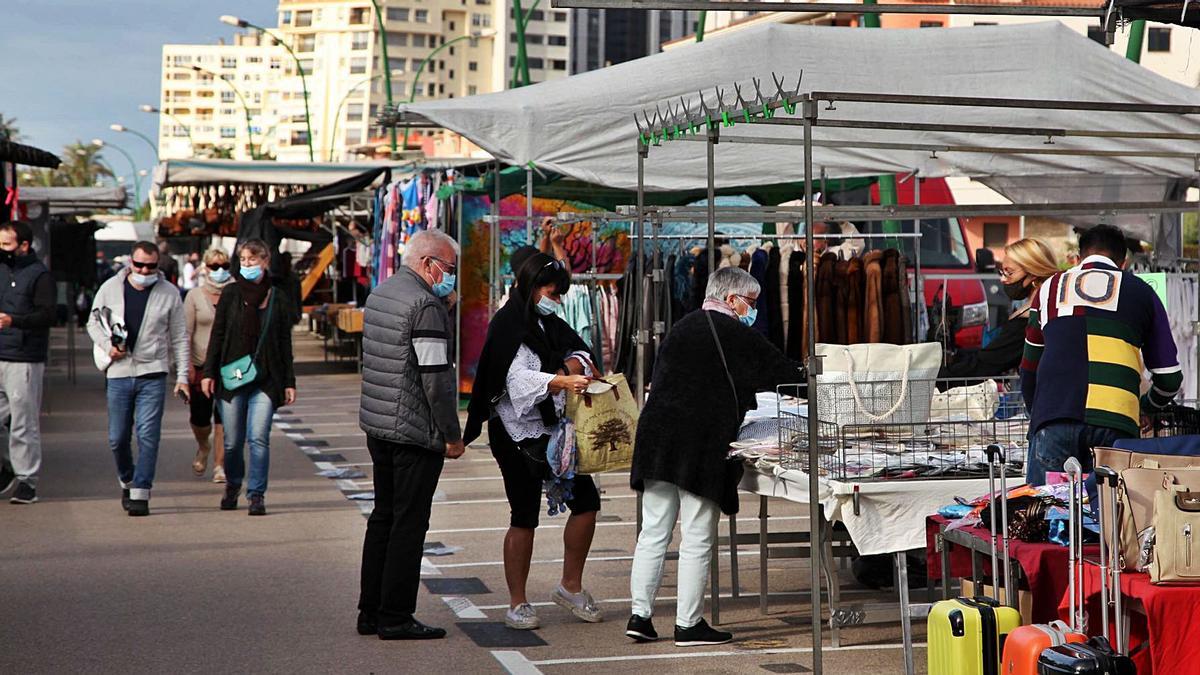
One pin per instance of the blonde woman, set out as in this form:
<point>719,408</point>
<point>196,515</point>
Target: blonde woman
<point>1027,263</point>
<point>199,309</point>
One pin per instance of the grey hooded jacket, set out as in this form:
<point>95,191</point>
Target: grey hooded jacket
<point>410,386</point>
<point>163,340</point>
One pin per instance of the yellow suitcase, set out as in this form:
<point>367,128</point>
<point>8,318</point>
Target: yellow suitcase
<point>966,636</point>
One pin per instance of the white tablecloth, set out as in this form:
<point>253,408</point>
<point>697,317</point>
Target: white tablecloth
<point>891,514</point>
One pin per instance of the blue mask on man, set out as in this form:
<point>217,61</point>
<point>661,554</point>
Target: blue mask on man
<point>446,285</point>
<point>251,273</point>
<point>748,318</point>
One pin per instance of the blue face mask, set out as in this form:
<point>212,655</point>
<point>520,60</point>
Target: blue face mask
<point>219,276</point>
<point>143,280</point>
<point>251,273</point>
<point>748,318</point>
<point>546,306</point>
<point>445,286</point>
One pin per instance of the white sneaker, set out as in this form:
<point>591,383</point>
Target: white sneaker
<point>522,617</point>
<point>580,604</point>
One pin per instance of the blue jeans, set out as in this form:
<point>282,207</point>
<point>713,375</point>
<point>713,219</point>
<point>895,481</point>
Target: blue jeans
<point>1055,442</point>
<point>248,417</point>
<point>136,404</point>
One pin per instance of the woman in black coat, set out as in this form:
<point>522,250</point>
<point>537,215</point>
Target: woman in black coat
<point>254,318</point>
<point>695,408</point>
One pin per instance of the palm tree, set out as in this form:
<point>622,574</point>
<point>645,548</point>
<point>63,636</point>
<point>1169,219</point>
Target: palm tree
<point>82,166</point>
<point>8,129</point>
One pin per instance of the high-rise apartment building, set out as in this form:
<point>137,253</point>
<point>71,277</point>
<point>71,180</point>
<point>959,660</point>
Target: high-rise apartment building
<point>602,37</point>
<point>209,91</point>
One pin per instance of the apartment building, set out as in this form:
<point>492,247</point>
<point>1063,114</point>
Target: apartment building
<point>208,91</point>
<point>603,37</point>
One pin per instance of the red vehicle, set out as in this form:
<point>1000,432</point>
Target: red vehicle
<point>943,252</point>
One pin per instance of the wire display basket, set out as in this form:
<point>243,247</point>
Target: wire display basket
<point>1178,419</point>
<point>889,431</point>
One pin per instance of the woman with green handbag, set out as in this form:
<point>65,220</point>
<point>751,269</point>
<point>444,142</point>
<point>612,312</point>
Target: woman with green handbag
<point>250,355</point>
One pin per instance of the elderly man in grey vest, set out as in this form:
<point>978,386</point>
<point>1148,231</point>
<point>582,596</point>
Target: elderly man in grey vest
<point>409,410</point>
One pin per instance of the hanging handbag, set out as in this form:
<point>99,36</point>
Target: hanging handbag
<point>242,371</point>
<point>877,383</point>
<point>974,403</point>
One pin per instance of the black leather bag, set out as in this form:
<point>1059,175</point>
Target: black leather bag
<point>1085,658</point>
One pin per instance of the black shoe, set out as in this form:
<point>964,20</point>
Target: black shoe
<point>641,630</point>
<point>257,506</point>
<point>25,494</point>
<point>8,478</point>
<point>367,624</point>
<point>125,500</point>
<point>229,501</point>
<point>411,630</point>
<point>139,507</point>
<point>700,635</point>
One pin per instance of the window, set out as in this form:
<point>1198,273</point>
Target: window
<point>228,111</point>
<point>285,17</point>
<point>253,59</point>
<point>472,90</point>
<point>995,235</point>
<point>178,132</point>
<point>416,64</point>
<point>535,62</point>
<point>276,64</point>
<point>483,2</point>
<point>431,90</point>
<point>1160,40</point>
<point>397,39</point>
<point>441,88</point>
<point>558,64</point>
<point>481,20</point>
<point>297,119</point>
<point>473,66</point>
<point>306,65</point>
<point>354,137</point>
<point>556,40</point>
<point>306,43</point>
<point>359,16</point>
<point>181,60</point>
<point>451,75</point>
<point>537,15</point>
<point>421,16</point>
<point>228,132</point>
<point>418,40</point>
<point>535,39</point>
<point>227,97</point>
<point>985,23</point>
<point>451,26</point>
<point>358,65</point>
<point>1096,33</point>
<point>560,17</point>
<point>931,24</point>
<point>354,112</point>
<point>304,19</point>
<point>397,14</point>
<point>360,40</point>
<point>397,64</point>
<point>229,62</point>
<point>441,65</point>
<point>299,137</point>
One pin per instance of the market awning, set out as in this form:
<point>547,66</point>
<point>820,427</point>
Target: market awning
<point>1181,12</point>
<point>67,200</point>
<point>27,155</point>
<point>173,172</point>
<point>583,126</point>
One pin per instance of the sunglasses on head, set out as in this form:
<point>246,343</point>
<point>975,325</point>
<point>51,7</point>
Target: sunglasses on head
<point>145,265</point>
<point>218,266</point>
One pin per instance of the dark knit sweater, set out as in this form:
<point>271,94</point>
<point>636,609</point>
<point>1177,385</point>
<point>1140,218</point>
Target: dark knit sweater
<point>691,416</point>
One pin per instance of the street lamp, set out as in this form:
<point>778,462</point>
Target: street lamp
<point>475,35</point>
<point>242,99</point>
<point>137,183</point>
<point>386,66</point>
<point>242,23</point>
<point>120,128</point>
<point>337,116</point>
<point>147,108</point>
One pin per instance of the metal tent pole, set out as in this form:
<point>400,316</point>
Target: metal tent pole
<point>640,396</point>
<point>814,368</point>
<point>494,253</point>
<point>919,288</point>
<point>714,136</point>
<point>529,205</point>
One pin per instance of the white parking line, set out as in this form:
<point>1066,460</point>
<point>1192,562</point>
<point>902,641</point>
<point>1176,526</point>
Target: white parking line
<point>464,608</point>
<point>713,654</point>
<point>428,569</point>
<point>623,523</point>
<point>555,561</point>
<point>515,663</point>
<point>851,592</point>
<point>505,500</point>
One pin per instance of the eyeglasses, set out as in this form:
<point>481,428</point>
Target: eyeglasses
<point>749,301</point>
<point>446,267</point>
<point>1007,273</point>
<point>144,265</point>
<point>218,266</point>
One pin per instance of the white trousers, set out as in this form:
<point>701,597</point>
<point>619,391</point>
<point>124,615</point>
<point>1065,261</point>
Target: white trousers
<point>20,407</point>
<point>662,503</point>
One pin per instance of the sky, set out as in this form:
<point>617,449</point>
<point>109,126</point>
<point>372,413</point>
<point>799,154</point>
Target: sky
<point>73,67</point>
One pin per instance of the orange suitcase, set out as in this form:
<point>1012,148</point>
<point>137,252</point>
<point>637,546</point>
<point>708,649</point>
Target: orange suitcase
<point>1026,643</point>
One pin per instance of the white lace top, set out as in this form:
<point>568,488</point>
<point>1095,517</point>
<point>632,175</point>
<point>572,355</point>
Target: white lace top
<point>526,387</point>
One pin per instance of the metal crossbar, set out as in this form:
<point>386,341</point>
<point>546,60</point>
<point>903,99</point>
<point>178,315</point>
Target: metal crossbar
<point>831,7</point>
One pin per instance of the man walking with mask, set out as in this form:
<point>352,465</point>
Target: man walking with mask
<point>409,411</point>
<point>27,301</point>
<point>156,338</point>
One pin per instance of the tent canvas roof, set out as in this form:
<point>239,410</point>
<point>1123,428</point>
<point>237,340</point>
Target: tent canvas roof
<point>583,126</point>
<point>173,172</point>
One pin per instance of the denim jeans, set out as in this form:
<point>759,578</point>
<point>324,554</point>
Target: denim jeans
<point>248,417</point>
<point>1055,442</point>
<point>136,404</point>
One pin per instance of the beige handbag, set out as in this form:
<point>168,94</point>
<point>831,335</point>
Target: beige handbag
<point>877,383</point>
<point>1176,535</point>
<point>975,403</point>
<point>1141,477</point>
<point>605,418</point>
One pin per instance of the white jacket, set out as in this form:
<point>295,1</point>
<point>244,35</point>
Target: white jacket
<point>163,336</point>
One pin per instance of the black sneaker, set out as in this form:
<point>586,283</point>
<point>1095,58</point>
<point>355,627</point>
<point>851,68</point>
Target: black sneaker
<point>700,635</point>
<point>257,506</point>
<point>641,630</point>
<point>139,507</point>
<point>8,478</point>
<point>125,500</point>
<point>25,494</point>
<point>229,501</point>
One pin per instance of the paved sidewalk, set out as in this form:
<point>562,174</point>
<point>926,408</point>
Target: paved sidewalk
<point>192,589</point>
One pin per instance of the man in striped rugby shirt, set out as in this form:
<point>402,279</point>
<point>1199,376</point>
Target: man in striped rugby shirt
<point>1093,329</point>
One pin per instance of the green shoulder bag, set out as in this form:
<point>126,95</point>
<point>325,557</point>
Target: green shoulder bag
<point>240,372</point>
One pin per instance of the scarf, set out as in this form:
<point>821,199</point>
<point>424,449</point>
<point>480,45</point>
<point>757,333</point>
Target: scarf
<point>711,305</point>
<point>512,326</point>
<point>213,287</point>
<point>253,294</point>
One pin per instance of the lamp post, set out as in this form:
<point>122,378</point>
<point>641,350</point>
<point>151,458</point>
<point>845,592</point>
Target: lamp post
<point>337,116</point>
<point>242,99</point>
<point>387,66</point>
<point>121,128</point>
<point>242,23</point>
<point>147,108</point>
<point>421,67</point>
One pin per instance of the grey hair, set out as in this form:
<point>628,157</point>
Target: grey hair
<point>729,281</point>
<point>426,244</point>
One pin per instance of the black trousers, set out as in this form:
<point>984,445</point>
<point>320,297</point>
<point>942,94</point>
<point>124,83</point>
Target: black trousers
<point>405,479</point>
